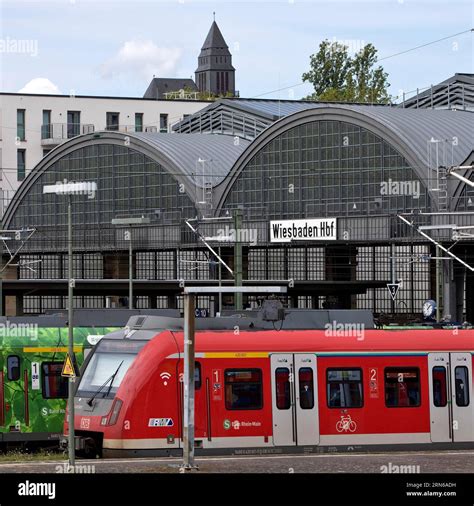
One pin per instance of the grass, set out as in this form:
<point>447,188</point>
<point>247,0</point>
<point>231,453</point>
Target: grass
<point>22,456</point>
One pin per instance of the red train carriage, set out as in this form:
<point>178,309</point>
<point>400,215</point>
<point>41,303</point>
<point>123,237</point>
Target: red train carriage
<point>270,391</point>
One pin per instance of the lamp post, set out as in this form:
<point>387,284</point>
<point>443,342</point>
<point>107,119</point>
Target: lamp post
<point>70,189</point>
<point>189,295</point>
<point>128,236</point>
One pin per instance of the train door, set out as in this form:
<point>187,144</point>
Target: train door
<point>294,404</point>
<point>440,411</point>
<point>461,394</point>
<point>451,408</point>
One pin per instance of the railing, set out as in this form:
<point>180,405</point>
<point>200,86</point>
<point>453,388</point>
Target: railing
<point>130,128</point>
<point>223,122</point>
<point>58,132</point>
<point>443,96</point>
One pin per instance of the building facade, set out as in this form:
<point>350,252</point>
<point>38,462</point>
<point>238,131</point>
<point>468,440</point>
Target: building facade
<point>372,174</point>
<point>32,125</point>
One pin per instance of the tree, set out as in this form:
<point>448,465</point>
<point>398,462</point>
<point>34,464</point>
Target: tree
<point>338,77</point>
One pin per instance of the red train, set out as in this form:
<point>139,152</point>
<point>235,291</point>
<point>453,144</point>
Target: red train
<point>273,391</point>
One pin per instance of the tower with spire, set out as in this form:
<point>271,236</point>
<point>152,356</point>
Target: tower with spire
<point>215,73</point>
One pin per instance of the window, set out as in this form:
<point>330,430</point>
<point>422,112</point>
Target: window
<point>344,388</point>
<point>73,123</point>
<point>163,123</point>
<point>46,151</point>
<point>461,376</point>
<point>306,388</point>
<point>104,367</point>
<point>282,384</point>
<point>139,122</point>
<point>20,124</point>
<point>13,367</point>
<point>21,164</point>
<point>402,387</point>
<point>113,119</point>
<point>46,125</point>
<point>197,375</point>
<point>243,389</point>
<point>439,386</point>
<point>54,385</point>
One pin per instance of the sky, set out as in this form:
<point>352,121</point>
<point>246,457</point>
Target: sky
<point>114,47</point>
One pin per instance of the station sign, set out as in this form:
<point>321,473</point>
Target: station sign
<point>313,229</point>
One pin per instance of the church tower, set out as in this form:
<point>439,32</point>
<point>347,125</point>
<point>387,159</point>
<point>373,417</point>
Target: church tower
<point>215,73</point>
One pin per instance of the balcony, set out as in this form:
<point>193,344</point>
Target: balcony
<point>53,134</point>
<point>130,128</point>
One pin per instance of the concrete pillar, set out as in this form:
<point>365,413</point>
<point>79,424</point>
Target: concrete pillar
<point>449,290</point>
<point>459,280</point>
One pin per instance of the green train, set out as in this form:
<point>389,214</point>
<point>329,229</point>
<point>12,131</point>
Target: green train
<point>33,394</point>
<point>32,391</point>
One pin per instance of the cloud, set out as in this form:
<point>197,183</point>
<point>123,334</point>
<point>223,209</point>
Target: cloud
<point>40,85</point>
<point>142,57</point>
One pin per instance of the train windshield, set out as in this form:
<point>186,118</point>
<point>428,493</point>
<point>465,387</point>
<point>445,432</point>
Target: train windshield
<point>107,367</point>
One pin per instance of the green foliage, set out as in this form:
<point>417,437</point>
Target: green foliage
<point>338,77</point>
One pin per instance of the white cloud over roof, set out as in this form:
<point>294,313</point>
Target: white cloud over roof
<point>142,57</point>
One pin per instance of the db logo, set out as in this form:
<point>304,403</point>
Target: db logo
<point>85,423</point>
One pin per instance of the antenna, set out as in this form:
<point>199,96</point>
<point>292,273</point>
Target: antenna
<point>214,14</point>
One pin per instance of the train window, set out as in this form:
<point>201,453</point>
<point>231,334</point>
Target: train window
<point>402,387</point>
<point>282,383</point>
<point>54,385</point>
<point>461,376</point>
<point>439,386</point>
<point>197,375</point>
<point>344,388</point>
<point>243,389</point>
<point>13,367</point>
<point>306,388</point>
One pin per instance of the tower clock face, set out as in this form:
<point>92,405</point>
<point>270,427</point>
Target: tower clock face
<point>429,308</point>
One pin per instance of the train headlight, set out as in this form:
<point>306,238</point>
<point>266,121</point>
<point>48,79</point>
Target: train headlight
<point>115,411</point>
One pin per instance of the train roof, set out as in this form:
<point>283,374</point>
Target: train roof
<point>374,341</point>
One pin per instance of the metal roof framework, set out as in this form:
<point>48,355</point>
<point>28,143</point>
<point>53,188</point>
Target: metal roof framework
<point>223,157</point>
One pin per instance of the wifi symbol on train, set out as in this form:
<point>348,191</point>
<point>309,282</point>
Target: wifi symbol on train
<point>165,376</point>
